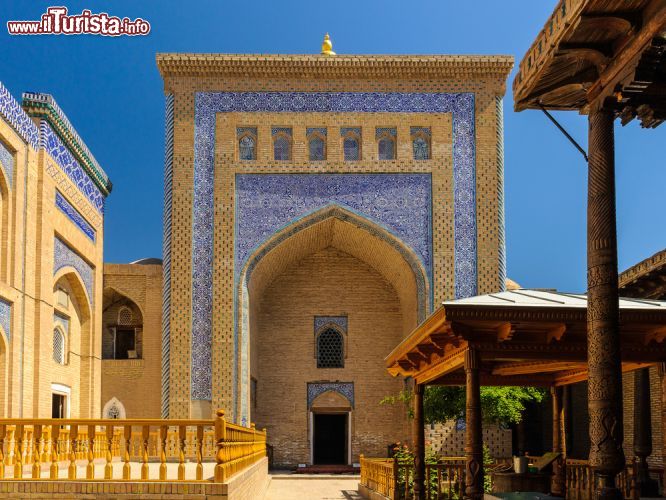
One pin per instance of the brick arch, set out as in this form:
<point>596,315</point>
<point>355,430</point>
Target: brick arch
<point>349,232</point>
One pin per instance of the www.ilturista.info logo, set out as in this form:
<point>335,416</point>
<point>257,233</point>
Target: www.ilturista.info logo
<point>56,21</point>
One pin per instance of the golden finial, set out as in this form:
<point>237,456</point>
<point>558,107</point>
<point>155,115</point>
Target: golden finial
<point>327,46</point>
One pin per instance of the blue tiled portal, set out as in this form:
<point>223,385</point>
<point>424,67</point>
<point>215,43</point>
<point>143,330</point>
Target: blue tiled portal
<point>207,104</point>
<point>63,256</point>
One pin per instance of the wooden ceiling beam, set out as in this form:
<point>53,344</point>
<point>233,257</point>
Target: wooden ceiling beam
<point>524,368</point>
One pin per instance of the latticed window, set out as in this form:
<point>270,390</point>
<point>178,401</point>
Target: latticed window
<point>124,316</point>
<point>330,349</point>
<point>113,412</point>
<point>351,149</point>
<point>386,148</point>
<point>282,148</point>
<point>247,148</point>
<point>421,149</point>
<point>58,346</point>
<point>317,148</point>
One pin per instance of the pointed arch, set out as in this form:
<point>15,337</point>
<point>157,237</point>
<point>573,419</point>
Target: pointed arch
<point>330,226</point>
<point>114,409</point>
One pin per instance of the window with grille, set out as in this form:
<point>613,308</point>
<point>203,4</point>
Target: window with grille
<point>351,149</point>
<point>421,143</point>
<point>113,412</point>
<point>386,148</point>
<point>317,148</point>
<point>247,143</point>
<point>330,349</point>
<point>58,346</point>
<point>282,148</point>
<point>125,316</point>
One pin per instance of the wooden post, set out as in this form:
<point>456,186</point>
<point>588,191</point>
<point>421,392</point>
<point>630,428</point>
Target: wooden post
<point>662,372</point>
<point>418,433</point>
<point>474,431</point>
<point>643,432</point>
<point>603,336</point>
<point>557,486</point>
<point>220,438</point>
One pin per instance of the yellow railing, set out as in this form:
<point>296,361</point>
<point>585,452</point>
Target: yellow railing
<point>580,480</point>
<point>39,448</point>
<point>380,475</point>
<point>237,447</point>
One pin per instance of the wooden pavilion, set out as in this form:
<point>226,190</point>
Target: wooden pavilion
<point>606,59</point>
<point>515,338</point>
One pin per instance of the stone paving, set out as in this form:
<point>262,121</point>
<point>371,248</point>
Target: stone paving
<point>306,487</point>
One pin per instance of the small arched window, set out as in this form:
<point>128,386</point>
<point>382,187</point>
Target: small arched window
<point>247,148</point>
<point>330,349</point>
<point>421,143</point>
<point>386,148</point>
<point>281,147</point>
<point>114,409</point>
<point>317,148</point>
<point>125,316</point>
<point>58,346</point>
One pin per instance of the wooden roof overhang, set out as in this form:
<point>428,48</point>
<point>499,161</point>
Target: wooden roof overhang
<point>647,279</point>
<point>519,345</point>
<point>594,52</point>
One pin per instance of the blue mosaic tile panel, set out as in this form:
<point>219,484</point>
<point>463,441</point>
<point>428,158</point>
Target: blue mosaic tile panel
<point>7,163</point>
<point>323,131</point>
<point>48,99</point>
<point>281,130</point>
<point>6,318</point>
<point>166,253</point>
<point>62,321</point>
<point>315,389</point>
<point>207,104</point>
<point>422,130</point>
<point>63,256</point>
<point>350,130</point>
<point>74,215</point>
<point>379,131</point>
<point>321,321</point>
<point>12,111</point>
<point>266,203</point>
<point>64,158</point>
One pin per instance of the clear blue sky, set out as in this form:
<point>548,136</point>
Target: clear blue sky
<point>111,90</point>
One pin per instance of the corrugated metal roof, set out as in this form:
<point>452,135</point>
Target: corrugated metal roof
<point>547,298</point>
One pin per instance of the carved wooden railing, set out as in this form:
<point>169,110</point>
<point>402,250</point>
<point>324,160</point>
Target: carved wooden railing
<point>392,479</point>
<point>380,475</point>
<point>40,448</point>
<point>580,480</point>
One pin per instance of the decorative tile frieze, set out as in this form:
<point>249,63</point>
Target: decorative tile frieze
<point>40,105</point>
<point>323,131</point>
<point>11,110</point>
<point>74,215</point>
<point>64,256</point>
<point>380,131</point>
<point>322,321</point>
<point>316,389</point>
<point>52,144</point>
<point>420,130</point>
<point>7,163</point>
<point>78,199</point>
<point>281,130</point>
<point>6,318</point>
<point>208,104</point>
<point>166,253</point>
<point>350,131</point>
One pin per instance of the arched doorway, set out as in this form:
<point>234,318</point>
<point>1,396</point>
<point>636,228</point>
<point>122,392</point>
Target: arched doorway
<point>338,285</point>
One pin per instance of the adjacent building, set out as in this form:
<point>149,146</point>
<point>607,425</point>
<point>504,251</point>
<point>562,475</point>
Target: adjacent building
<point>52,194</point>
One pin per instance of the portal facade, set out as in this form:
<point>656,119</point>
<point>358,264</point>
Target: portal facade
<point>317,208</point>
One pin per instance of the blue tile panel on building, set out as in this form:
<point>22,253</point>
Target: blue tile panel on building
<point>207,104</point>
<point>63,256</point>
<point>74,215</point>
<point>7,163</point>
<point>6,318</point>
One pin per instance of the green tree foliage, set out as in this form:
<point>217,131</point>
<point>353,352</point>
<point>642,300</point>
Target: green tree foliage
<point>503,405</point>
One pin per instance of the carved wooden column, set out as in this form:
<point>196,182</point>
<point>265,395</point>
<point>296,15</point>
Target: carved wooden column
<point>418,433</point>
<point>662,373</point>
<point>643,431</point>
<point>603,339</point>
<point>474,432</point>
<point>559,478</point>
